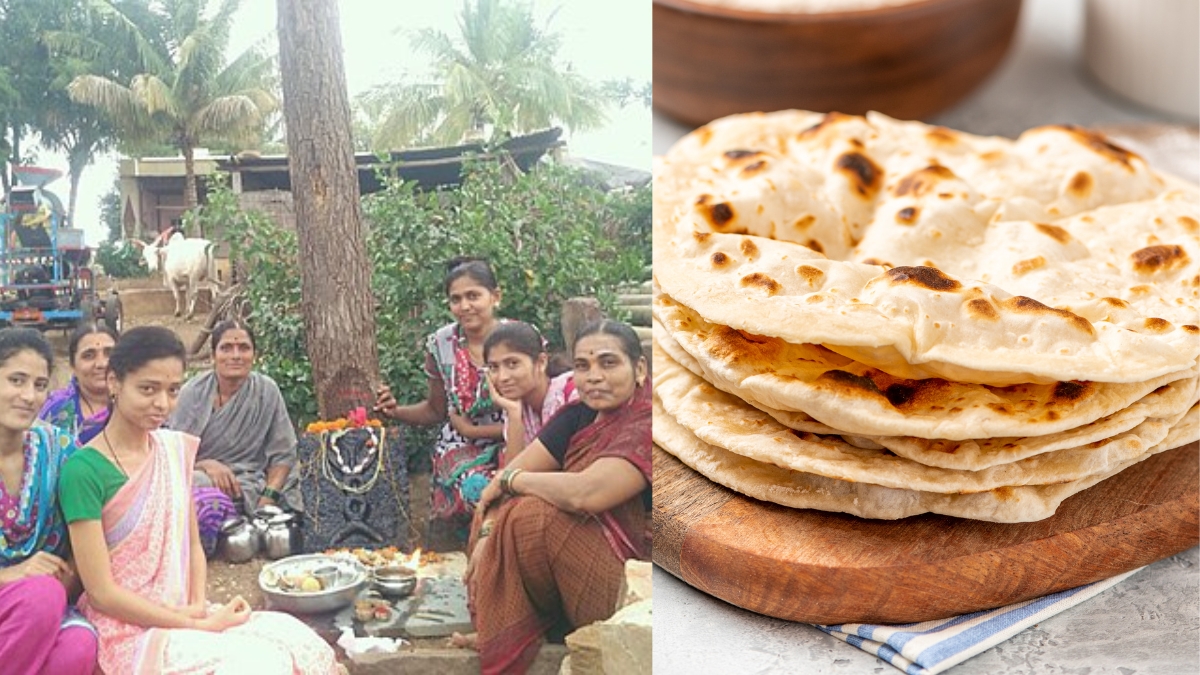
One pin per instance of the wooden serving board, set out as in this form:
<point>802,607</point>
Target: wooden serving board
<point>819,567</point>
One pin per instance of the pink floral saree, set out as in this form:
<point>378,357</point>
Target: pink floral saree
<point>146,525</point>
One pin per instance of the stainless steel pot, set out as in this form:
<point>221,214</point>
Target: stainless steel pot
<point>239,540</point>
<point>282,536</point>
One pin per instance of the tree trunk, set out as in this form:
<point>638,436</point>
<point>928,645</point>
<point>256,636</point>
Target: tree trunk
<point>335,273</point>
<point>189,180</point>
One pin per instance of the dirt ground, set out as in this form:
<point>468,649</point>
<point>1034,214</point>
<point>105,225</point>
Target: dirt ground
<point>186,330</point>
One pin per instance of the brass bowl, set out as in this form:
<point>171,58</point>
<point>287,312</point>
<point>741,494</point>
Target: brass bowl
<point>908,61</point>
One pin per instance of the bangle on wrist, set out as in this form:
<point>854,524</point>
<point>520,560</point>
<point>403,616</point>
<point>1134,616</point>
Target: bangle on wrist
<point>506,481</point>
<point>272,494</point>
<point>487,528</point>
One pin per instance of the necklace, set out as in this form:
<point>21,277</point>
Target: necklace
<point>112,451</point>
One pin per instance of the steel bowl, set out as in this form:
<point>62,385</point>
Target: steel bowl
<point>350,580</point>
<point>394,582</point>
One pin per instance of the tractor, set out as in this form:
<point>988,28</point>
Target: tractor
<point>45,280</point>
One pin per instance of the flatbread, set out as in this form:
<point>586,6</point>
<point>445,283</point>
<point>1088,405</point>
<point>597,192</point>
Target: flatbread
<point>973,454</point>
<point>863,401</point>
<point>925,252</point>
<point>809,491</point>
<point>727,422</point>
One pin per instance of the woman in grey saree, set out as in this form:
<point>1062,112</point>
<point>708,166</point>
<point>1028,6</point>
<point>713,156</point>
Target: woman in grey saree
<point>247,443</point>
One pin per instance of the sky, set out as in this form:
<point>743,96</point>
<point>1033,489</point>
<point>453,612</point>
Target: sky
<point>602,40</point>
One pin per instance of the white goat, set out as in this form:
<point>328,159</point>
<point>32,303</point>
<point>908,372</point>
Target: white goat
<point>185,264</point>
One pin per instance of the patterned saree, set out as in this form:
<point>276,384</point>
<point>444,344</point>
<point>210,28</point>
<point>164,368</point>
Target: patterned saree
<point>146,525</point>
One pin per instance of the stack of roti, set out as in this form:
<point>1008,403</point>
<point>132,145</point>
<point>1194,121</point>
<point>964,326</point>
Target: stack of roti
<point>886,318</point>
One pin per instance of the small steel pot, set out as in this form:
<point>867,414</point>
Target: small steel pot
<point>238,541</point>
<point>282,537</point>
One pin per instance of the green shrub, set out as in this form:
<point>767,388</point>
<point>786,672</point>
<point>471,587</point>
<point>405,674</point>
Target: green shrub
<point>120,260</point>
<point>548,236</point>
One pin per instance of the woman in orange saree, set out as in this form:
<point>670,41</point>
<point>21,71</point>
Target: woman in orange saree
<point>554,529</point>
<point>127,499</point>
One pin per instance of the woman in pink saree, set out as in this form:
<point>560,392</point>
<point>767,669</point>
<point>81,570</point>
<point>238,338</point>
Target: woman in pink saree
<point>127,500</point>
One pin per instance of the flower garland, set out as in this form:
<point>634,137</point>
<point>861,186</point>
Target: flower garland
<point>356,418</point>
<point>331,454</point>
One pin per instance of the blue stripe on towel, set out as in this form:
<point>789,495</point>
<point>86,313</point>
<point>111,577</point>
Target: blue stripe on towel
<point>958,644</point>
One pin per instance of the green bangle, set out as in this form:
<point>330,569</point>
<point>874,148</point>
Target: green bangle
<point>272,494</point>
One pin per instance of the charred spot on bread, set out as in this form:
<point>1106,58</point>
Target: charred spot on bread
<point>1054,232</point>
<point>1023,266</point>
<point>741,154</point>
<point>1069,392</point>
<point>753,168</point>
<point>760,280</point>
<point>1100,145</point>
<point>925,277</point>
<point>980,308</point>
<point>907,215</point>
<point>1081,184</point>
<point>811,275</point>
<point>1161,258</point>
<point>1023,305</point>
<point>1157,325</point>
<point>865,176</point>
<point>921,182</point>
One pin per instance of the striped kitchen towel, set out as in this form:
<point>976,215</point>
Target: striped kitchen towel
<point>930,647</point>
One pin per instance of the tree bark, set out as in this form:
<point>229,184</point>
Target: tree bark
<point>189,178</point>
<point>335,273</point>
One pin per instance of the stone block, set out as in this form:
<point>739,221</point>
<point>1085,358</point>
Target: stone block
<point>355,494</point>
<point>622,645</point>
<point>637,584</point>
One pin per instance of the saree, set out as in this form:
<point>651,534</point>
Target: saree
<point>546,570</point>
<point>561,392</point>
<point>249,434</point>
<point>64,409</point>
<point>33,522</point>
<point>146,527</point>
<point>462,468</point>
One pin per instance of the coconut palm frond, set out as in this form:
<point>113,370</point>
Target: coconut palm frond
<point>499,74</point>
<point>154,95</point>
<point>66,43</point>
<point>153,60</point>
<point>226,117</point>
<point>405,122</point>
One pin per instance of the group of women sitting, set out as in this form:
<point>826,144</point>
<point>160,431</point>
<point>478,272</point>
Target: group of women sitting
<point>546,478</point>
<point>543,477</point>
<point>110,520</point>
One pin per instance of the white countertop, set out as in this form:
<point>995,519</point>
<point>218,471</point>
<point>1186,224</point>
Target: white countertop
<point>1148,624</point>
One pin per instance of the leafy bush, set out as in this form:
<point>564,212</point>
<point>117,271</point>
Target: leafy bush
<point>548,237</point>
<point>120,260</point>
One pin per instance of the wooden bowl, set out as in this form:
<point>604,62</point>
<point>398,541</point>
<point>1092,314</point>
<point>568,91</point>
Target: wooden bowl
<point>908,61</point>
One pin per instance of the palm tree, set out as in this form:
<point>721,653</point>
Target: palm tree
<point>186,94</point>
<point>500,77</point>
